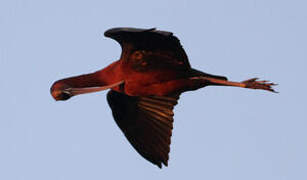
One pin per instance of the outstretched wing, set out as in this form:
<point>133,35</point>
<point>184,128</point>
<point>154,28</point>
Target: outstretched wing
<point>155,41</point>
<point>147,123</point>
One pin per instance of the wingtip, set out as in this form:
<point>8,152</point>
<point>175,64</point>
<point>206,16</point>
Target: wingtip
<point>165,163</point>
<point>150,29</point>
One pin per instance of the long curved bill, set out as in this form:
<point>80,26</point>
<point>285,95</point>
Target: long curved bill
<point>77,91</point>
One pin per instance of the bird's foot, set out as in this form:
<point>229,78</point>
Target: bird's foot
<point>254,84</point>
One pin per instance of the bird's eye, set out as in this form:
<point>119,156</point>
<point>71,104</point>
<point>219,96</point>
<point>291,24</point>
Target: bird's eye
<point>138,55</point>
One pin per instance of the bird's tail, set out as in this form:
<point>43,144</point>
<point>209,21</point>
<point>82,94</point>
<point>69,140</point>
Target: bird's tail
<point>199,73</point>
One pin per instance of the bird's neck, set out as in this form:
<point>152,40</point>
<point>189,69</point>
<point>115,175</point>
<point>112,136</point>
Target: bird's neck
<point>110,74</point>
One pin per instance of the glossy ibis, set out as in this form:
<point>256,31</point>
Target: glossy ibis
<point>145,84</point>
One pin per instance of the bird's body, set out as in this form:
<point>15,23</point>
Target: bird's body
<point>145,84</point>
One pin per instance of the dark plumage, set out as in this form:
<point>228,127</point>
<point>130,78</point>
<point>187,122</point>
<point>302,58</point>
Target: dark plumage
<point>145,84</point>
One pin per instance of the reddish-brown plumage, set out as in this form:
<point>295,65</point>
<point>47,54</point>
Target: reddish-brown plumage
<point>145,84</point>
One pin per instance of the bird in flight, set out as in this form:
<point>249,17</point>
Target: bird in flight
<point>145,85</point>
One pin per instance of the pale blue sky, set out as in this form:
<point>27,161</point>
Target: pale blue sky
<point>219,132</point>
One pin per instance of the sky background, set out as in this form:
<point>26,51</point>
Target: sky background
<point>219,132</point>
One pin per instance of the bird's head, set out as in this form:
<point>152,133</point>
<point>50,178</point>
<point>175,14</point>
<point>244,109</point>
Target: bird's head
<point>61,91</point>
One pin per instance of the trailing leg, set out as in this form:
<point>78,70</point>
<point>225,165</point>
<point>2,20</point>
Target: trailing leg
<point>250,83</point>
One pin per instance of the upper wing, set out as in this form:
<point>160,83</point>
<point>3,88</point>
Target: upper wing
<point>147,123</point>
<point>132,39</point>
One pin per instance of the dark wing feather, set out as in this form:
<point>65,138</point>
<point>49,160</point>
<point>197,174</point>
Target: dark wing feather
<point>149,40</point>
<point>147,123</point>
